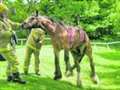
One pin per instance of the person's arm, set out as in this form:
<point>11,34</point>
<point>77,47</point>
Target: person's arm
<point>1,26</point>
<point>41,36</point>
<point>15,25</point>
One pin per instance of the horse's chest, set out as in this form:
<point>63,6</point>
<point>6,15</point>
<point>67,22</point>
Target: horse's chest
<point>60,40</point>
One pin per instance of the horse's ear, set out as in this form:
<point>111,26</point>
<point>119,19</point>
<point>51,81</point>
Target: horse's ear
<point>37,13</point>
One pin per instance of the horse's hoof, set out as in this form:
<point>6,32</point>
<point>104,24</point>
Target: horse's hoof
<point>95,79</point>
<point>57,77</point>
<point>68,73</point>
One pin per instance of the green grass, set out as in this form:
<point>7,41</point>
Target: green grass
<point>107,63</point>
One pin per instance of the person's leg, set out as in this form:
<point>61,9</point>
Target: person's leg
<point>28,53</point>
<point>37,62</point>
<point>8,72</point>
<point>13,62</point>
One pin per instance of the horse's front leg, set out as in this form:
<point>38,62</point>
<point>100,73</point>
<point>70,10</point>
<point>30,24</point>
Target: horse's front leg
<point>58,74</point>
<point>79,83</point>
<point>68,70</point>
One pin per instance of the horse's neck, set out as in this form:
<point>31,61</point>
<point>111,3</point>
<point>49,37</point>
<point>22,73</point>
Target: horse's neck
<point>59,39</point>
<point>55,29</point>
<point>60,28</point>
<point>58,34</point>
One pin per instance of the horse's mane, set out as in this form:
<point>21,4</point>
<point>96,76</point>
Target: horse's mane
<point>55,21</point>
<point>61,23</point>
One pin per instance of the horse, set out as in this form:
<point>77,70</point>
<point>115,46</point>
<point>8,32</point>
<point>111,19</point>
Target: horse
<point>68,38</point>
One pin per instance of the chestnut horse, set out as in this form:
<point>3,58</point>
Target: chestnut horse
<point>65,37</point>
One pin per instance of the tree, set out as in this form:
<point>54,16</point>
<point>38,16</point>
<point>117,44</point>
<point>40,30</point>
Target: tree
<point>90,14</point>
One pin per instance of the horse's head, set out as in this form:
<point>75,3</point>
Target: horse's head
<point>38,21</point>
<point>30,22</point>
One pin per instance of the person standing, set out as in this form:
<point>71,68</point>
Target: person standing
<point>33,46</point>
<point>6,49</point>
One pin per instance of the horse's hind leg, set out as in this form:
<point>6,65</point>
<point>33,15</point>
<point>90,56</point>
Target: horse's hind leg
<point>67,62</point>
<point>81,55</point>
<point>76,62</point>
<point>74,66</point>
<point>93,73</point>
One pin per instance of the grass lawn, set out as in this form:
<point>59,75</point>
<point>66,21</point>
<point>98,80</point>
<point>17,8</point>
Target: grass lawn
<point>107,63</point>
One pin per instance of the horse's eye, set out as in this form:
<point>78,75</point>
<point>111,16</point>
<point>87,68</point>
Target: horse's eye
<point>32,18</point>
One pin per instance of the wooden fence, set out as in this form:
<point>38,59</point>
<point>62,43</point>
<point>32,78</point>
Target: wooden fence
<point>22,42</point>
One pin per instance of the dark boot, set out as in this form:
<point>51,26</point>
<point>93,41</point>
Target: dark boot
<point>16,78</point>
<point>37,73</point>
<point>25,72</point>
<point>10,78</point>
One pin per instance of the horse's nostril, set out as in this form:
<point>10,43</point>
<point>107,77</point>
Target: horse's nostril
<point>22,25</point>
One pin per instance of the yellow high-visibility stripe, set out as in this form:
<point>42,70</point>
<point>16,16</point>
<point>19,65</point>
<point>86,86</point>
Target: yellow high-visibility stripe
<point>5,49</point>
<point>3,8</point>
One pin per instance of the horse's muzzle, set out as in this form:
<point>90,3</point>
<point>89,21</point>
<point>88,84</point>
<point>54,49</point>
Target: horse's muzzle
<point>23,25</point>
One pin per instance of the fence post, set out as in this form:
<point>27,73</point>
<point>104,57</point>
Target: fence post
<point>22,42</point>
<point>108,46</point>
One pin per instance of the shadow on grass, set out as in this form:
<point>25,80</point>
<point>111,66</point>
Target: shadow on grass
<point>110,55</point>
<point>38,83</point>
<point>46,83</point>
<point>110,77</point>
